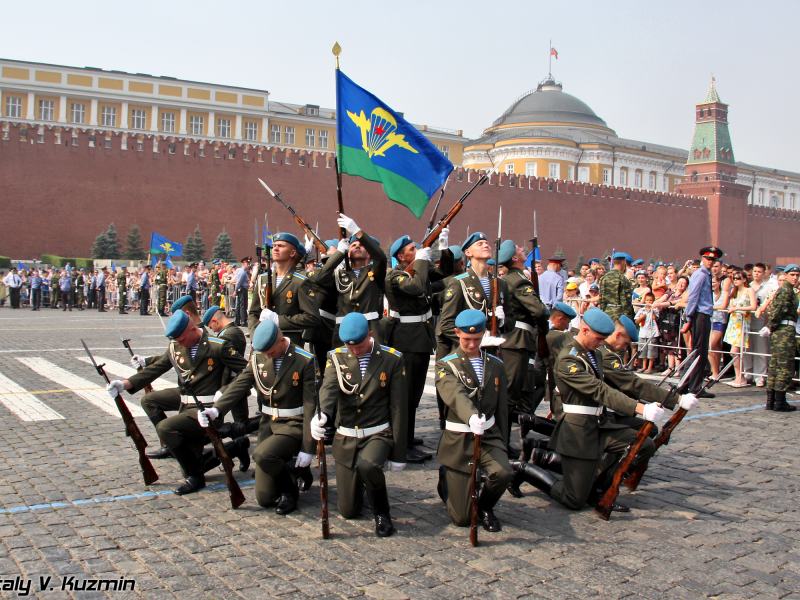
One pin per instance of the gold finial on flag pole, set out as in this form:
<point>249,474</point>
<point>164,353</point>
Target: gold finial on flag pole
<point>337,50</point>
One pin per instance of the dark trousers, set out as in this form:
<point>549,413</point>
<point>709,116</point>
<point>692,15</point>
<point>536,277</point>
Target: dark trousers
<point>192,294</point>
<point>416,373</point>
<point>499,474</point>
<point>13,292</point>
<point>144,301</point>
<point>66,299</point>
<point>241,307</point>
<point>701,332</point>
<point>101,298</point>
<point>271,455</point>
<point>91,298</point>
<point>36,298</point>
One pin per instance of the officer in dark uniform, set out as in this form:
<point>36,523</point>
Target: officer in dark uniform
<point>365,387</point>
<point>80,283</point>
<point>781,329</point>
<point>474,387</point>
<point>222,327</point>
<point>122,288</point>
<point>100,284</point>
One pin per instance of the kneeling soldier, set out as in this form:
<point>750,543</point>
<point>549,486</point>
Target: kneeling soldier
<point>365,387</point>
<point>285,379</point>
<point>474,389</point>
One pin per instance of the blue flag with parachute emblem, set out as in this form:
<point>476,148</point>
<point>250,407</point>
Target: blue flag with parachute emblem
<point>161,245</point>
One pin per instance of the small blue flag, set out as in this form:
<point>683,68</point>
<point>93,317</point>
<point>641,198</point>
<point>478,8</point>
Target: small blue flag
<point>268,238</point>
<point>161,245</point>
<point>113,268</point>
<point>531,257</point>
<point>168,262</point>
<point>20,267</point>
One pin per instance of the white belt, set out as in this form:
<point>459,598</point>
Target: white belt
<point>362,433</point>
<point>203,399</point>
<point>575,409</point>
<point>532,361</point>
<point>370,316</point>
<point>282,412</point>
<point>788,322</point>
<point>327,315</point>
<point>462,428</point>
<point>525,326</point>
<point>412,318</point>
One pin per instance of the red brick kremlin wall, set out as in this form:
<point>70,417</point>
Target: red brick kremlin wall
<point>57,197</point>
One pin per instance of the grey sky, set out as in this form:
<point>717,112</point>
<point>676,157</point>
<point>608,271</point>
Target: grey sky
<point>640,65</point>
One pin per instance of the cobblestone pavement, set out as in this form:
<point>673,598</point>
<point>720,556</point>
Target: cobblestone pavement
<point>716,514</point>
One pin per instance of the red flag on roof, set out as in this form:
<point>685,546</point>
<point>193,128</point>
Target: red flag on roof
<point>553,52</point>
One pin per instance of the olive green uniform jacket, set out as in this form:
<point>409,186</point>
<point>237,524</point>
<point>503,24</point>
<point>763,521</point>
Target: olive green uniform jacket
<point>526,308</point>
<point>616,295</point>
<point>629,383</point>
<point>294,301</point>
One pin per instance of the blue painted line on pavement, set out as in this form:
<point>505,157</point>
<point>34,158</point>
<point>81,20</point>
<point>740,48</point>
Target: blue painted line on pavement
<point>725,412</point>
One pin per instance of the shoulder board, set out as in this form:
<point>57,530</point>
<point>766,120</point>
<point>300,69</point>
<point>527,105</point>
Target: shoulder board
<point>451,357</point>
<point>462,276</point>
<point>392,350</point>
<point>302,352</point>
<point>341,350</point>
<point>216,339</point>
<point>496,358</point>
<point>573,352</point>
<point>303,277</point>
<point>254,352</point>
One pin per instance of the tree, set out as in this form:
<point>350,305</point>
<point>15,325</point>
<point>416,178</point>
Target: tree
<point>580,261</point>
<point>100,247</point>
<point>113,243</point>
<point>223,248</point>
<point>133,243</point>
<point>194,249</point>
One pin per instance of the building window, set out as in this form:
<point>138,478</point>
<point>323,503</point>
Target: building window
<point>197,125</point>
<point>530,169</point>
<point>706,152</point>
<point>446,151</point>
<point>570,173</point>
<point>289,134</point>
<point>275,134</point>
<point>323,138</point>
<point>623,177</point>
<point>78,113</point>
<point>251,131</point>
<point>761,196</point>
<point>14,107</point>
<point>74,138</point>
<point>651,182</point>
<point>47,109</point>
<point>606,175</point>
<point>224,128</point>
<point>310,135</point>
<point>666,183</point>
<point>108,142</point>
<point>791,201</point>
<point>139,145</point>
<point>637,179</point>
<point>168,122</point>
<point>555,170</point>
<point>509,168</point>
<point>138,119</point>
<point>583,174</point>
<point>108,116</point>
<point>677,182</point>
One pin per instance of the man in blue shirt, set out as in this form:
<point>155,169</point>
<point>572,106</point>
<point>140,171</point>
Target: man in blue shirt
<point>65,283</point>
<point>242,285</point>
<point>191,282</point>
<point>36,289</point>
<point>144,292</point>
<point>100,287</point>
<point>699,306</point>
<point>551,284</point>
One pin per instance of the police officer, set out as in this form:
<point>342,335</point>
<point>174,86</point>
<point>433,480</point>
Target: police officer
<point>100,287</point>
<point>80,284</point>
<point>222,327</point>
<point>285,379</point>
<point>781,330</point>
<point>160,281</point>
<point>616,292</point>
<point>473,385</point>
<point>241,289</point>
<point>144,292</point>
<point>122,288</point>
<point>365,387</point>
<point>65,285</point>
<point>202,361</point>
<point>191,281</point>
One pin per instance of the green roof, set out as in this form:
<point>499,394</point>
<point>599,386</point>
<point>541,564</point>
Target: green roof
<point>712,136</point>
<point>712,95</point>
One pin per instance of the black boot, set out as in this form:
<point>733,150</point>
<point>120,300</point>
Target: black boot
<point>162,452</point>
<point>529,444</point>
<point>513,485</point>
<point>770,400</point>
<point>379,501</point>
<point>602,483</point>
<point>416,456</point>
<point>780,402</point>
<point>304,478</point>
<point>547,459</point>
<point>231,430</point>
<point>240,449</point>
<point>486,502</point>
<point>536,424</point>
<point>289,493</point>
<point>195,479</point>
<point>536,476</point>
<point>441,487</point>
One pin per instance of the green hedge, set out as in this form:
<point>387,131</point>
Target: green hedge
<point>61,261</point>
<point>84,263</point>
<point>5,262</point>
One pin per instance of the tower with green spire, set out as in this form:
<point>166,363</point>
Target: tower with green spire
<point>711,154</point>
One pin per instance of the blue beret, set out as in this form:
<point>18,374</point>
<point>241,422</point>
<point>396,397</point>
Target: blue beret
<point>180,303</point>
<point>399,244</point>
<point>641,272</point>
<point>207,316</point>
<point>628,258</point>
<point>354,328</point>
<point>302,250</point>
<point>507,251</point>
<point>566,309</point>
<point>475,237</point>
<point>619,255</point>
<point>490,261</point>
<point>264,335</point>
<point>791,268</point>
<point>289,239</point>
<point>779,269</point>
<point>471,321</point>
<point>353,238</point>
<point>599,321</point>
<point>630,328</point>
<point>591,260</point>
<point>329,243</point>
<point>457,253</point>
<point>638,262</point>
<point>81,269</point>
<point>216,262</point>
<point>176,325</point>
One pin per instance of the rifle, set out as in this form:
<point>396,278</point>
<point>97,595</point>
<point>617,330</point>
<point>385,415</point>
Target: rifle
<point>237,497</point>
<point>436,208</point>
<point>258,249</point>
<point>603,507</point>
<point>475,478</point>
<point>632,482</point>
<point>496,280</point>
<point>323,482</point>
<point>543,326</point>
<point>127,343</point>
<point>318,242</point>
<point>639,350</point>
<point>268,249</point>
<point>131,428</point>
<point>342,230</point>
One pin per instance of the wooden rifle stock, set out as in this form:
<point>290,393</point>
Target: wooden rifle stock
<point>304,225</point>
<point>603,507</point>
<point>474,490</point>
<point>323,488</point>
<point>342,230</point>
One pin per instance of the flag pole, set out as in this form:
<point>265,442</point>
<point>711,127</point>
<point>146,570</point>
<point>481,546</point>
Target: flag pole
<point>337,50</point>
<point>550,60</point>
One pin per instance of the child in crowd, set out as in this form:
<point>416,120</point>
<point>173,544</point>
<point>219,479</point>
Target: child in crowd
<point>648,332</point>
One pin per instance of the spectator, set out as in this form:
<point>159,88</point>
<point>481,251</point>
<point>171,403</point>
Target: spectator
<point>757,360</point>
<point>719,322</point>
<point>647,318</point>
<point>670,320</point>
<point>588,279</point>
<point>644,287</point>
<point>741,303</point>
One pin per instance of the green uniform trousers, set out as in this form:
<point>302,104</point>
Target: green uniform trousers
<point>183,428</point>
<point>123,295</point>
<point>162,297</point>
<point>781,363</point>
<point>635,423</point>
<point>534,389</point>
<point>459,503</point>
<point>270,456</point>
<point>156,403</point>
<point>416,364</point>
<point>366,472</point>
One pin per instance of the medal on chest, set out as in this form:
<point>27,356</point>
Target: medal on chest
<point>289,297</point>
<point>210,364</point>
<point>371,275</point>
<point>348,376</point>
<point>383,379</point>
<point>296,378</point>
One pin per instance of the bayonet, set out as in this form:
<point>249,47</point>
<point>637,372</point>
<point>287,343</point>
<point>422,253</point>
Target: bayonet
<point>127,343</point>
<point>436,208</point>
<point>319,243</point>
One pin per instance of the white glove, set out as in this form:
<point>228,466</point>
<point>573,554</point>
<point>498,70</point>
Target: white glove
<point>444,238</point>
<point>501,316</point>
<point>317,429</point>
<point>303,460</point>
<point>688,401</point>
<point>491,342</point>
<point>347,223</point>
<point>423,254</point>
<point>476,423</point>
<point>218,394</point>
<point>395,467</point>
<point>344,245</point>
<point>765,331</point>
<point>204,415</point>
<point>268,314</point>
<point>652,412</point>
<point>137,361</point>
<point>308,243</point>
<point>115,388</point>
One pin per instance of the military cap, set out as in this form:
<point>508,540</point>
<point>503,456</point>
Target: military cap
<point>209,314</point>
<point>557,259</point>
<point>630,328</point>
<point>302,251</point>
<point>399,244</point>
<point>661,263</point>
<point>265,335</point>
<point>458,254</point>
<point>354,328</point>
<point>123,266</point>
<point>176,325</point>
<point>146,267</point>
<point>475,237</point>
<point>202,262</point>
<point>792,268</point>
<point>13,270</point>
<point>638,262</point>
<point>641,272</point>
<point>216,262</point>
<point>779,269</point>
<point>194,264</point>
<point>104,269</point>
<point>288,238</point>
<point>471,321</point>
<point>180,303</point>
<point>598,321</point>
<point>248,258</point>
<point>507,251</point>
<point>331,243</point>
<point>618,255</point>
<point>566,309</point>
<point>711,252</point>
<point>628,258</point>
<point>594,286</point>
<point>594,260</point>
<point>490,262</point>
<point>81,269</point>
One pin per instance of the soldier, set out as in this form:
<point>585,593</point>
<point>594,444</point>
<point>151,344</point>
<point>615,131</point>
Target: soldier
<point>361,288</point>
<point>781,330</point>
<point>365,387</point>
<point>616,292</point>
<point>410,324</point>
<point>285,378</point>
<point>223,328</point>
<point>187,305</point>
<point>294,302</point>
<point>122,288</point>
<point>202,361</point>
<point>213,285</point>
<point>80,283</point>
<point>327,300</point>
<point>160,281</point>
<point>55,288</point>
<point>474,388</point>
